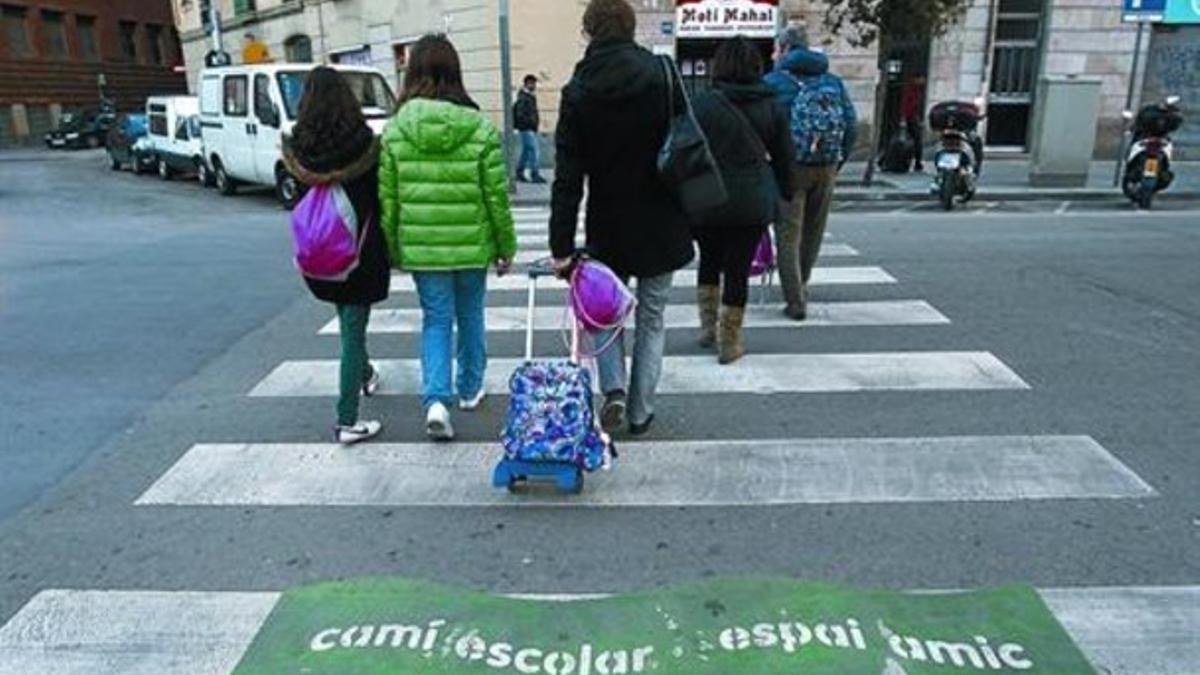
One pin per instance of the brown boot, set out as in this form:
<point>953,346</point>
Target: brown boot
<point>797,304</point>
<point>708,299</point>
<point>731,334</point>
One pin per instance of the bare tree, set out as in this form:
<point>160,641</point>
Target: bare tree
<point>861,22</point>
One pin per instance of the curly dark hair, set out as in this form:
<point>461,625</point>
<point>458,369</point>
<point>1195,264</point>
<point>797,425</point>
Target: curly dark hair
<point>330,125</point>
<point>737,60</point>
<point>609,19</point>
<point>435,72</point>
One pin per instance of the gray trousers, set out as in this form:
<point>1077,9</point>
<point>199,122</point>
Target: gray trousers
<point>802,228</point>
<point>649,343</point>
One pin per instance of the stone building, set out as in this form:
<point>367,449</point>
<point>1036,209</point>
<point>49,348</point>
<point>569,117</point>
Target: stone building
<point>68,54</point>
<point>997,51</point>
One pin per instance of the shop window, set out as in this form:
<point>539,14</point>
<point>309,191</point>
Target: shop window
<point>154,39</point>
<point>241,7</point>
<point>54,33</point>
<point>86,27</point>
<point>127,34</point>
<point>298,49</point>
<point>16,30</point>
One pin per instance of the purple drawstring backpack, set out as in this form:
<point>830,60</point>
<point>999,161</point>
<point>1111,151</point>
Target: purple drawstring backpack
<point>327,235</point>
<point>600,301</point>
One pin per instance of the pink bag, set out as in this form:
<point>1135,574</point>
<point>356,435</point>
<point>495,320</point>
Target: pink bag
<point>326,234</point>
<point>764,256</point>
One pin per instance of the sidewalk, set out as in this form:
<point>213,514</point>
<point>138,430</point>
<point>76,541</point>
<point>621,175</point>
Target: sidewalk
<point>1003,180</point>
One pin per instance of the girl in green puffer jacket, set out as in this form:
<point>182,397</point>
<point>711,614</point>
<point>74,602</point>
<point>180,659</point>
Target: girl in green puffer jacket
<point>443,194</point>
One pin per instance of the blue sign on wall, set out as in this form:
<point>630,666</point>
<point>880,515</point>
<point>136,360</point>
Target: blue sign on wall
<point>1183,11</point>
<point>1151,11</point>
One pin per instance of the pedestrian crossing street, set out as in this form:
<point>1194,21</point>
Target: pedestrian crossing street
<point>1140,630</point>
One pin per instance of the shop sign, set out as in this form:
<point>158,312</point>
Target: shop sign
<point>354,57</point>
<point>1183,11</point>
<point>726,18</point>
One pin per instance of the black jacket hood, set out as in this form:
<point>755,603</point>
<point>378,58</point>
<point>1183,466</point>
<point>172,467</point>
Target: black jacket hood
<point>614,70</point>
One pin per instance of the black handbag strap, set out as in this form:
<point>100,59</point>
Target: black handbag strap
<point>751,132</point>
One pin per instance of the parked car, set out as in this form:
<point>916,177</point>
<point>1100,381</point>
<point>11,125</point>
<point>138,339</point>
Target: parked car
<point>80,130</point>
<point>246,111</point>
<point>126,144</point>
<point>174,137</point>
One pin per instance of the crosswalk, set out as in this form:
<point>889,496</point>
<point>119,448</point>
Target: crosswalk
<point>129,631</point>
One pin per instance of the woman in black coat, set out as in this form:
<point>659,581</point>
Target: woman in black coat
<point>332,144</point>
<point>751,139</point>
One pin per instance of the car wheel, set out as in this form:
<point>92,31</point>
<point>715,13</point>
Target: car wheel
<point>203,174</point>
<point>93,142</point>
<point>287,188</point>
<point>164,170</point>
<point>225,184</point>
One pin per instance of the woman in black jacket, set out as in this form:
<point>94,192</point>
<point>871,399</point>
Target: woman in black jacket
<point>332,144</point>
<point>751,139</point>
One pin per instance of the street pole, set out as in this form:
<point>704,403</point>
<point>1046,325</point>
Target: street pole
<point>214,18</point>
<point>506,83</point>
<point>1126,133</point>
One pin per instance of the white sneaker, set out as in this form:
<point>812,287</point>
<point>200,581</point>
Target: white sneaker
<point>371,386</point>
<point>437,423</point>
<point>360,431</point>
<point>472,403</point>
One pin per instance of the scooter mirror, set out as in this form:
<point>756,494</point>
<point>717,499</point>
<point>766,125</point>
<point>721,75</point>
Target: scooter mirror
<point>1172,100</point>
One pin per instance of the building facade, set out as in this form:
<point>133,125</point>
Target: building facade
<point>58,55</point>
<point>998,50</point>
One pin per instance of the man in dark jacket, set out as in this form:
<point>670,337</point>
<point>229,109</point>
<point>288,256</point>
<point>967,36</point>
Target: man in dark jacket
<point>526,121</point>
<point>824,127</point>
<point>612,122</point>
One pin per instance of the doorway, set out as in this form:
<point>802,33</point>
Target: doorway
<point>1016,62</point>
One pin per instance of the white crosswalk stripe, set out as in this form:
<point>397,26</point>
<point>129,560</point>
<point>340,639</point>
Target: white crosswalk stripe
<point>524,257</point>
<point>510,319</point>
<point>754,374</point>
<point>736,473</point>
<point>1121,630</point>
<point>822,276</point>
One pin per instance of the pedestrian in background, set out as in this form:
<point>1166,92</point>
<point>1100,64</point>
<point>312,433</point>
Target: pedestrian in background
<point>612,122</point>
<point>443,190</point>
<point>824,128</point>
<point>526,120</point>
<point>331,144</point>
<point>751,139</point>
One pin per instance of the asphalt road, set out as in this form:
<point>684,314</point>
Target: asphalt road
<point>136,317</point>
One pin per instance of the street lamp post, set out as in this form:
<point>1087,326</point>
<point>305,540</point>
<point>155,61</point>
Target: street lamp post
<point>506,85</point>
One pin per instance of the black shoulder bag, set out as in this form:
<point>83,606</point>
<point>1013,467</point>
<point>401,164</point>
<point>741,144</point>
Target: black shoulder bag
<point>685,162</point>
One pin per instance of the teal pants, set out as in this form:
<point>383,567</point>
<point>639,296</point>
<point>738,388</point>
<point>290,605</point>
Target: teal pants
<point>356,368</point>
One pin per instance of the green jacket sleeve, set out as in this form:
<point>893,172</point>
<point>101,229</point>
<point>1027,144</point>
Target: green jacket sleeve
<point>389,203</point>
<point>495,197</point>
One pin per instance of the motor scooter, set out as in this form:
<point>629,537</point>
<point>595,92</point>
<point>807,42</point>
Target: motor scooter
<point>960,155</point>
<point>1148,162</point>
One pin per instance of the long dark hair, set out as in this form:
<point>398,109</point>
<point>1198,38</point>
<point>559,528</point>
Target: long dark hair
<point>330,116</point>
<point>435,72</point>
<point>739,61</point>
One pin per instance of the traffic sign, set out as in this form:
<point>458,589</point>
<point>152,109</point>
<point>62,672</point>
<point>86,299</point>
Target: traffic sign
<point>1143,11</point>
<point>1183,11</point>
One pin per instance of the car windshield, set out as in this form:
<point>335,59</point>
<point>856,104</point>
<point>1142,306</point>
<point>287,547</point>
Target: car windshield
<point>371,90</point>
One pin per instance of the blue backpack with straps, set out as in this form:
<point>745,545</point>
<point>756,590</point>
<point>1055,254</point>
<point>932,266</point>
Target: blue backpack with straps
<point>819,120</point>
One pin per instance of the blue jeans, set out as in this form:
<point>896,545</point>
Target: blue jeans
<point>529,154</point>
<point>449,299</point>
<point>649,343</point>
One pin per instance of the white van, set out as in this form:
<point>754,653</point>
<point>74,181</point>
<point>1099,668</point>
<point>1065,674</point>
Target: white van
<point>173,142</point>
<point>246,111</point>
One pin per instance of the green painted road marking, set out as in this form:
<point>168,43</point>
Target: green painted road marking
<point>726,627</point>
